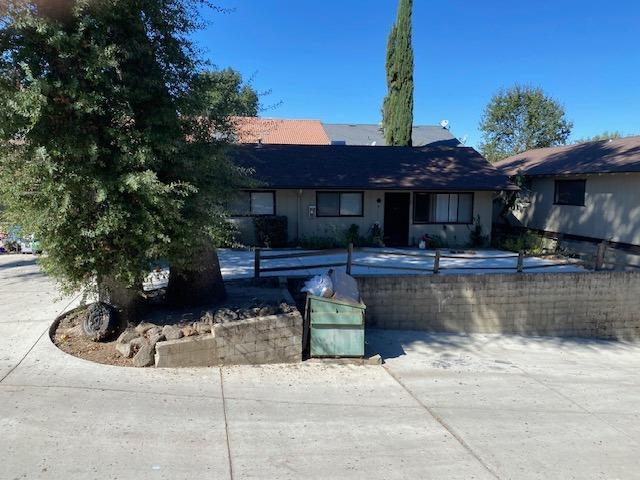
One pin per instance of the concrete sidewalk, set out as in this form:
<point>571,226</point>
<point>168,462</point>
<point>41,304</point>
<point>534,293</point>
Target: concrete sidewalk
<point>444,406</point>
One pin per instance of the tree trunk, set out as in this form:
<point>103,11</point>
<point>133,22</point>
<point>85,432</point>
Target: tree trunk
<point>200,284</point>
<point>127,301</point>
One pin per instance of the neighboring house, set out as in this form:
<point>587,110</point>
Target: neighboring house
<point>314,132</point>
<point>586,192</point>
<point>279,131</point>
<point>408,191</point>
<point>359,134</point>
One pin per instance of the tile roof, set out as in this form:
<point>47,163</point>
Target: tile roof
<point>370,134</point>
<point>366,167</point>
<point>280,131</point>
<point>620,155</point>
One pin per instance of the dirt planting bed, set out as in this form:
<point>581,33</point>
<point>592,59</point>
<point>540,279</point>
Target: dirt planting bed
<point>136,345</point>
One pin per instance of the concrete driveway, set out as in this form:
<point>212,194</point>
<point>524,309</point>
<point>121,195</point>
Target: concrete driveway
<point>443,406</point>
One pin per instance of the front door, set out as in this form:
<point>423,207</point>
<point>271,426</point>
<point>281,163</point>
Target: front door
<point>396,219</point>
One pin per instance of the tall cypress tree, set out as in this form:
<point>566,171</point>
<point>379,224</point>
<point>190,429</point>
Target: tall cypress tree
<point>397,110</point>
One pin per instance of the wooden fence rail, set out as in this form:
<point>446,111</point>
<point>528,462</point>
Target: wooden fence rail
<point>261,257</point>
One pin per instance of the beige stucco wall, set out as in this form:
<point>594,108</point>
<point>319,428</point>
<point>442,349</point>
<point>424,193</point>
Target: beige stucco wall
<point>611,210</point>
<point>294,204</point>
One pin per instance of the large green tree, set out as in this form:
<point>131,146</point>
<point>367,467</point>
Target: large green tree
<point>397,109</point>
<point>104,156</point>
<point>519,119</point>
<point>223,92</point>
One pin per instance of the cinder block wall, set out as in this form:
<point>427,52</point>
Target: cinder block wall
<point>270,339</point>
<point>589,304</point>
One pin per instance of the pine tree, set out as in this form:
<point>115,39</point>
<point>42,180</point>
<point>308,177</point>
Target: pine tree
<point>397,110</point>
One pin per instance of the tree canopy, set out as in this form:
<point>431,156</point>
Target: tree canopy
<point>601,136</point>
<point>519,119</point>
<point>103,155</point>
<point>223,92</point>
<point>397,109</point>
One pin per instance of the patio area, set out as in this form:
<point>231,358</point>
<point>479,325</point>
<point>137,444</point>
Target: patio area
<point>388,261</point>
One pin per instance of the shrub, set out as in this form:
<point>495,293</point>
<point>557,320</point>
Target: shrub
<point>271,232</point>
<point>527,242</point>
<point>319,243</point>
<point>436,242</point>
<point>352,235</point>
<point>476,238</point>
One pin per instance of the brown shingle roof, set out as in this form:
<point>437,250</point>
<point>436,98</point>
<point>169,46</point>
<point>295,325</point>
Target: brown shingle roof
<point>279,131</point>
<point>620,155</point>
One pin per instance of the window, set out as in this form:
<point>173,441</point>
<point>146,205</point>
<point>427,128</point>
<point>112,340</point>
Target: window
<point>253,203</point>
<point>339,204</point>
<point>570,192</point>
<point>442,207</point>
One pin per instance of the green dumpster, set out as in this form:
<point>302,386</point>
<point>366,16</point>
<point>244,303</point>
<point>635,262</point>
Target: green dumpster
<point>336,326</point>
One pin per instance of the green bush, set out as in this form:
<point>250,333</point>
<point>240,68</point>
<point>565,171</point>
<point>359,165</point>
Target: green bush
<point>271,232</point>
<point>527,242</point>
<point>476,237</point>
<point>352,235</point>
<point>436,242</point>
<point>319,243</point>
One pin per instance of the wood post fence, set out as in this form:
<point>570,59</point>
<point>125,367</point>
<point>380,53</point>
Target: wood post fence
<point>261,257</point>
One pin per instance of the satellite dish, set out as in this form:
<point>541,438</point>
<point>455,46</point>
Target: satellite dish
<point>444,123</point>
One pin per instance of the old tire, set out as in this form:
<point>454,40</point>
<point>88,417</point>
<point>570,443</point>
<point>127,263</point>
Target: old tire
<point>100,322</point>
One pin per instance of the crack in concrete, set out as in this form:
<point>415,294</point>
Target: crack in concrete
<point>226,424</point>
<point>444,425</point>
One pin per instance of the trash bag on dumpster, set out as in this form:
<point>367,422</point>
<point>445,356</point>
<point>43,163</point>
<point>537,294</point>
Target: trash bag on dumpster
<point>320,286</point>
<point>345,287</point>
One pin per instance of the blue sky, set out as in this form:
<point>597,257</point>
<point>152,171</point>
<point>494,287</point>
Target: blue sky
<point>325,59</point>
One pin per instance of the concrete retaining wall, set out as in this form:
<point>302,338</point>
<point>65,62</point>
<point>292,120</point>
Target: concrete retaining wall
<point>590,304</point>
<point>270,339</point>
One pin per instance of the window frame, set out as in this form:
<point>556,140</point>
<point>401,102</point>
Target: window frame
<point>557,181</point>
<point>250,214</point>
<point>434,193</point>
<point>340,192</point>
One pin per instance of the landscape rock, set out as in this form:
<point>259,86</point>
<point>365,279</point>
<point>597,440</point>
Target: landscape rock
<point>128,335</point>
<point>138,342</point>
<point>225,315</point>
<point>208,318</point>
<point>267,310</point>
<point>155,337</point>
<point>189,331</point>
<point>153,331</point>
<point>143,327</point>
<point>285,307</point>
<point>171,332</point>
<point>202,328</point>
<point>145,356</point>
<point>124,349</point>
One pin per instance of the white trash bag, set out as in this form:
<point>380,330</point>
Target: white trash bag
<point>320,286</point>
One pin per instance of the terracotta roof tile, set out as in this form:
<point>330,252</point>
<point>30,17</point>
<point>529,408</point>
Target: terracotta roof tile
<point>279,131</point>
